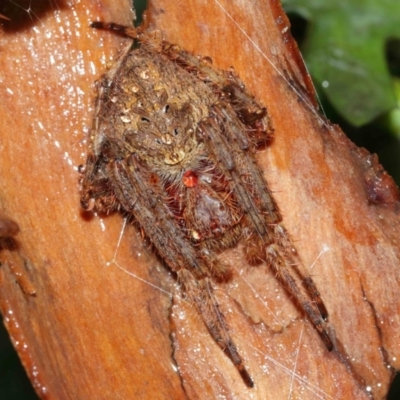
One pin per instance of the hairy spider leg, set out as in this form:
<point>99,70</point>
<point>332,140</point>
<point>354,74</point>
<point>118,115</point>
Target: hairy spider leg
<point>128,31</point>
<point>258,204</point>
<point>201,294</point>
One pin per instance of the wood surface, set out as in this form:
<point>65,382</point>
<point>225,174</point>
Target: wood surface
<point>94,314</point>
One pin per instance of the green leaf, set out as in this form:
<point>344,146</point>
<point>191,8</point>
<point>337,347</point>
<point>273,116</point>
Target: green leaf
<point>345,53</point>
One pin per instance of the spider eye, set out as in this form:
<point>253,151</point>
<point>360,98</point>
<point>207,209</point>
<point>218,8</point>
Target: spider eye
<point>176,132</point>
<point>166,108</point>
<point>144,119</point>
<point>158,141</point>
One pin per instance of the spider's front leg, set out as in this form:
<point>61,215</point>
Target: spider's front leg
<point>225,137</point>
<point>129,180</point>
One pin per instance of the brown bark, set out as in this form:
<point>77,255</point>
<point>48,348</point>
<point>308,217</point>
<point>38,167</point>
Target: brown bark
<point>85,328</point>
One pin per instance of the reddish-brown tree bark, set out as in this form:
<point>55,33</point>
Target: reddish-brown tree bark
<point>93,317</point>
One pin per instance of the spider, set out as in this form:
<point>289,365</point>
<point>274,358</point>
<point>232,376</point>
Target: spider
<point>173,147</point>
